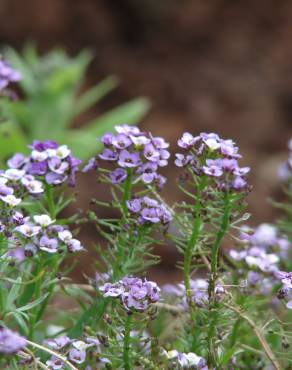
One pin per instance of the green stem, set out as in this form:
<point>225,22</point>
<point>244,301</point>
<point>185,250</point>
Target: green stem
<point>50,201</point>
<point>216,246</point>
<point>126,192</point>
<point>213,277</point>
<point>127,338</point>
<point>188,258</point>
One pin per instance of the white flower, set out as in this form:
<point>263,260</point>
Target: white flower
<point>65,236</point>
<point>11,200</point>
<point>127,129</point>
<point>43,220</point>
<point>74,245</point>
<point>34,187</point>
<point>80,345</point>
<point>62,152</point>
<point>39,156</point>
<point>212,144</point>
<point>14,174</point>
<point>51,153</point>
<point>3,181</point>
<point>193,359</point>
<point>265,234</point>
<point>140,140</point>
<point>28,230</point>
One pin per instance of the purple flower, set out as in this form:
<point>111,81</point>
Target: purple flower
<point>91,165</point>
<point>121,141</point>
<point>134,205</point>
<point>107,139</point>
<point>118,176</point>
<point>17,161</point>
<point>48,162</point>
<point>285,277</point>
<point>53,178</point>
<point>109,155</point>
<point>38,168</point>
<point>49,245</point>
<point>43,145</point>
<point>213,168</point>
<point>131,148</point>
<point>74,245</point>
<point>10,342</point>
<point>55,363</point>
<point>149,210</point>
<point>58,343</point>
<point>127,159</point>
<point>7,74</point>
<point>151,153</point>
<point>186,141</point>
<point>56,165</point>
<point>238,183</point>
<point>134,293</point>
<point>77,356</point>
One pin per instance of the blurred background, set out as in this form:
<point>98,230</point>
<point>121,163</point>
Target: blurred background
<point>182,65</point>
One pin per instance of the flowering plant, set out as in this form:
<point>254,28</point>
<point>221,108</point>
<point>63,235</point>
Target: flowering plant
<point>229,311</point>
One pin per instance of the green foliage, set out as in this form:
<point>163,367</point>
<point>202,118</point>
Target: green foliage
<point>53,99</point>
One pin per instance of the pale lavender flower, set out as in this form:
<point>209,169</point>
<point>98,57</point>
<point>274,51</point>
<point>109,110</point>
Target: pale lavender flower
<point>7,75</point>
<point>55,363</point>
<point>59,342</point>
<point>118,175</point>
<point>77,356</point>
<point>285,277</point>
<point>128,160</point>
<point>17,161</point>
<point>10,342</point>
<point>48,244</point>
<point>148,210</point>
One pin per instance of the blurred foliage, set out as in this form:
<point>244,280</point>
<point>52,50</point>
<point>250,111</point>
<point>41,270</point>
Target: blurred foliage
<point>52,101</point>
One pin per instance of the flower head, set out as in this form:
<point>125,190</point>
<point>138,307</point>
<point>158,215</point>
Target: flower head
<point>10,342</point>
<point>134,293</point>
<point>135,151</point>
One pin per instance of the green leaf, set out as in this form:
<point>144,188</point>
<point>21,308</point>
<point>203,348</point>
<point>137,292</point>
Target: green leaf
<point>95,94</point>
<point>13,294</point>
<point>131,113</point>
<point>33,304</point>
<point>84,143</point>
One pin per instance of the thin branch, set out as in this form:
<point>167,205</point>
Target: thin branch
<point>269,353</point>
<point>53,353</point>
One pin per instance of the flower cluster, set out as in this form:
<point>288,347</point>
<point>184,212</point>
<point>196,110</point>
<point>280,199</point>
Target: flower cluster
<point>149,210</point>
<point>76,351</point>
<point>134,293</point>
<point>131,150</point>
<point>264,248</point>
<point>182,360</point>
<point>209,155</point>
<point>285,169</point>
<point>48,161</point>
<point>41,234</point>
<point>10,342</point>
<point>199,292</point>
<point>15,184</point>
<point>286,291</point>
<point>7,75</point>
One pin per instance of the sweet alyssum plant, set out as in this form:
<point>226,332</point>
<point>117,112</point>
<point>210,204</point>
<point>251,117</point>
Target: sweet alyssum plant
<point>231,309</point>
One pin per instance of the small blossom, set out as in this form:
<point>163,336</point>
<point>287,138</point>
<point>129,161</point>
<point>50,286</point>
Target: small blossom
<point>10,342</point>
<point>77,356</point>
<point>43,220</point>
<point>11,200</point>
